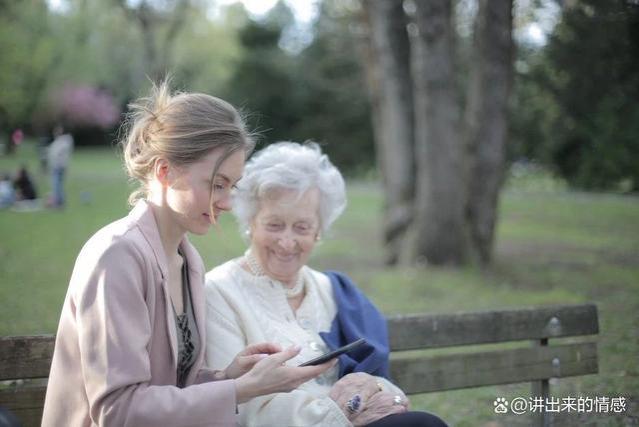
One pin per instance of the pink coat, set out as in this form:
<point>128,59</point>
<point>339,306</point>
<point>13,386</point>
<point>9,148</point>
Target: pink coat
<point>115,358</point>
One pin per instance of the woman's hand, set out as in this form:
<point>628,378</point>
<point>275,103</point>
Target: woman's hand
<point>373,402</point>
<point>270,375</point>
<point>248,357</point>
<point>358,383</point>
<point>378,406</point>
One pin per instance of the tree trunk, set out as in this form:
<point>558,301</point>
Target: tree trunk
<point>439,224</point>
<point>487,121</point>
<point>389,81</point>
<point>157,49</point>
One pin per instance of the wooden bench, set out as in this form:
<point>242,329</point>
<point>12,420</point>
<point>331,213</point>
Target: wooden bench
<point>29,357</point>
<point>456,370</point>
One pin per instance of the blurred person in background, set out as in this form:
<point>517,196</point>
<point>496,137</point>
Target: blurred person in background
<point>7,193</point>
<point>43,150</point>
<point>24,186</point>
<point>17,136</point>
<point>59,154</point>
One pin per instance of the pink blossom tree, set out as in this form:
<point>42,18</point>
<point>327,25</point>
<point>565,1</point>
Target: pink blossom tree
<point>84,106</point>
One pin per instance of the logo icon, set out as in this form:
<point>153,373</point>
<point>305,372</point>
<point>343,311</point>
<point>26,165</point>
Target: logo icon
<point>501,405</point>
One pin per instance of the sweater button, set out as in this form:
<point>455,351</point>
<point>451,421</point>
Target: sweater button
<point>305,323</point>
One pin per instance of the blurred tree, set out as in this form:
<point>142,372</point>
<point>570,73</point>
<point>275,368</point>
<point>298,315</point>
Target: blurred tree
<point>206,49</point>
<point>90,43</point>
<point>459,163</point>
<point>28,53</point>
<point>96,47</point>
<point>389,79</point>
<point>91,113</point>
<point>533,110</point>
<point>159,24</point>
<point>439,228</point>
<point>263,80</point>
<point>486,121</point>
<point>334,108</point>
<point>587,79</point>
<point>86,106</point>
<point>317,94</point>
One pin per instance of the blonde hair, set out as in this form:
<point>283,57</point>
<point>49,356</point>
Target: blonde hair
<point>181,128</point>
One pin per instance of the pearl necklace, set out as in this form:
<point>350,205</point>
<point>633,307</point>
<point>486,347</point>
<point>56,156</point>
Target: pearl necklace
<point>257,270</point>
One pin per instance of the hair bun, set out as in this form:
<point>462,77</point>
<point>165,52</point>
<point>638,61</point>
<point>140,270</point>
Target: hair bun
<point>181,128</point>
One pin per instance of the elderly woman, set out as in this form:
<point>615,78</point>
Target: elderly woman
<point>288,198</point>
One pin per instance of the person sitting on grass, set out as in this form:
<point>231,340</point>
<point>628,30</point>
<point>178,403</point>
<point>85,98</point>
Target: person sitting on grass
<point>24,186</point>
<point>7,193</point>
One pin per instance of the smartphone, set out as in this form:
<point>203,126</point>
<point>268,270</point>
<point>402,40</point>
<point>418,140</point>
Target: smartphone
<point>333,354</point>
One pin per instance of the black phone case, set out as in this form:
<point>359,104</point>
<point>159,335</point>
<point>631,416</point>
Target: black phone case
<point>333,354</point>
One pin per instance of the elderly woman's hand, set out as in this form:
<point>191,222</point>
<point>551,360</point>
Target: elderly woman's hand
<point>379,406</point>
<point>353,391</point>
<point>363,398</point>
<point>248,357</point>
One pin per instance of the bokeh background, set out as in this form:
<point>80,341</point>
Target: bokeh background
<point>538,144</point>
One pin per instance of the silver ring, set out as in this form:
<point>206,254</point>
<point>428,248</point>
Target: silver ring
<point>354,403</point>
<point>397,400</point>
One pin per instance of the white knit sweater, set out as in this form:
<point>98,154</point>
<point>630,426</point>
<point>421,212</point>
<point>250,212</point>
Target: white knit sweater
<point>244,309</point>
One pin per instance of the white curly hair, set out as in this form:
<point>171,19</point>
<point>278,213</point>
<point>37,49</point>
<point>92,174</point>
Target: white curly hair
<point>289,166</point>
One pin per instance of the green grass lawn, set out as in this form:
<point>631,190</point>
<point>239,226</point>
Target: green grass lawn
<point>553,247</point>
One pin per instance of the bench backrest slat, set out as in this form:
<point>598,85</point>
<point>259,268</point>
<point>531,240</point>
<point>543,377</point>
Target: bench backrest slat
<point>445,330</point>
<point>26,403</point>
<point>25,356</point>
<point>454,371</point>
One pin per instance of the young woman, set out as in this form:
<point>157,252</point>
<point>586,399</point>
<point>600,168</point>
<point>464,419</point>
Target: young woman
<point>130,344</point>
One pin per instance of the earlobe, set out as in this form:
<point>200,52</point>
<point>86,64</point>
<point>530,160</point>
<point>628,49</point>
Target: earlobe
<point>161,171</point>
<point>249,230</point>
